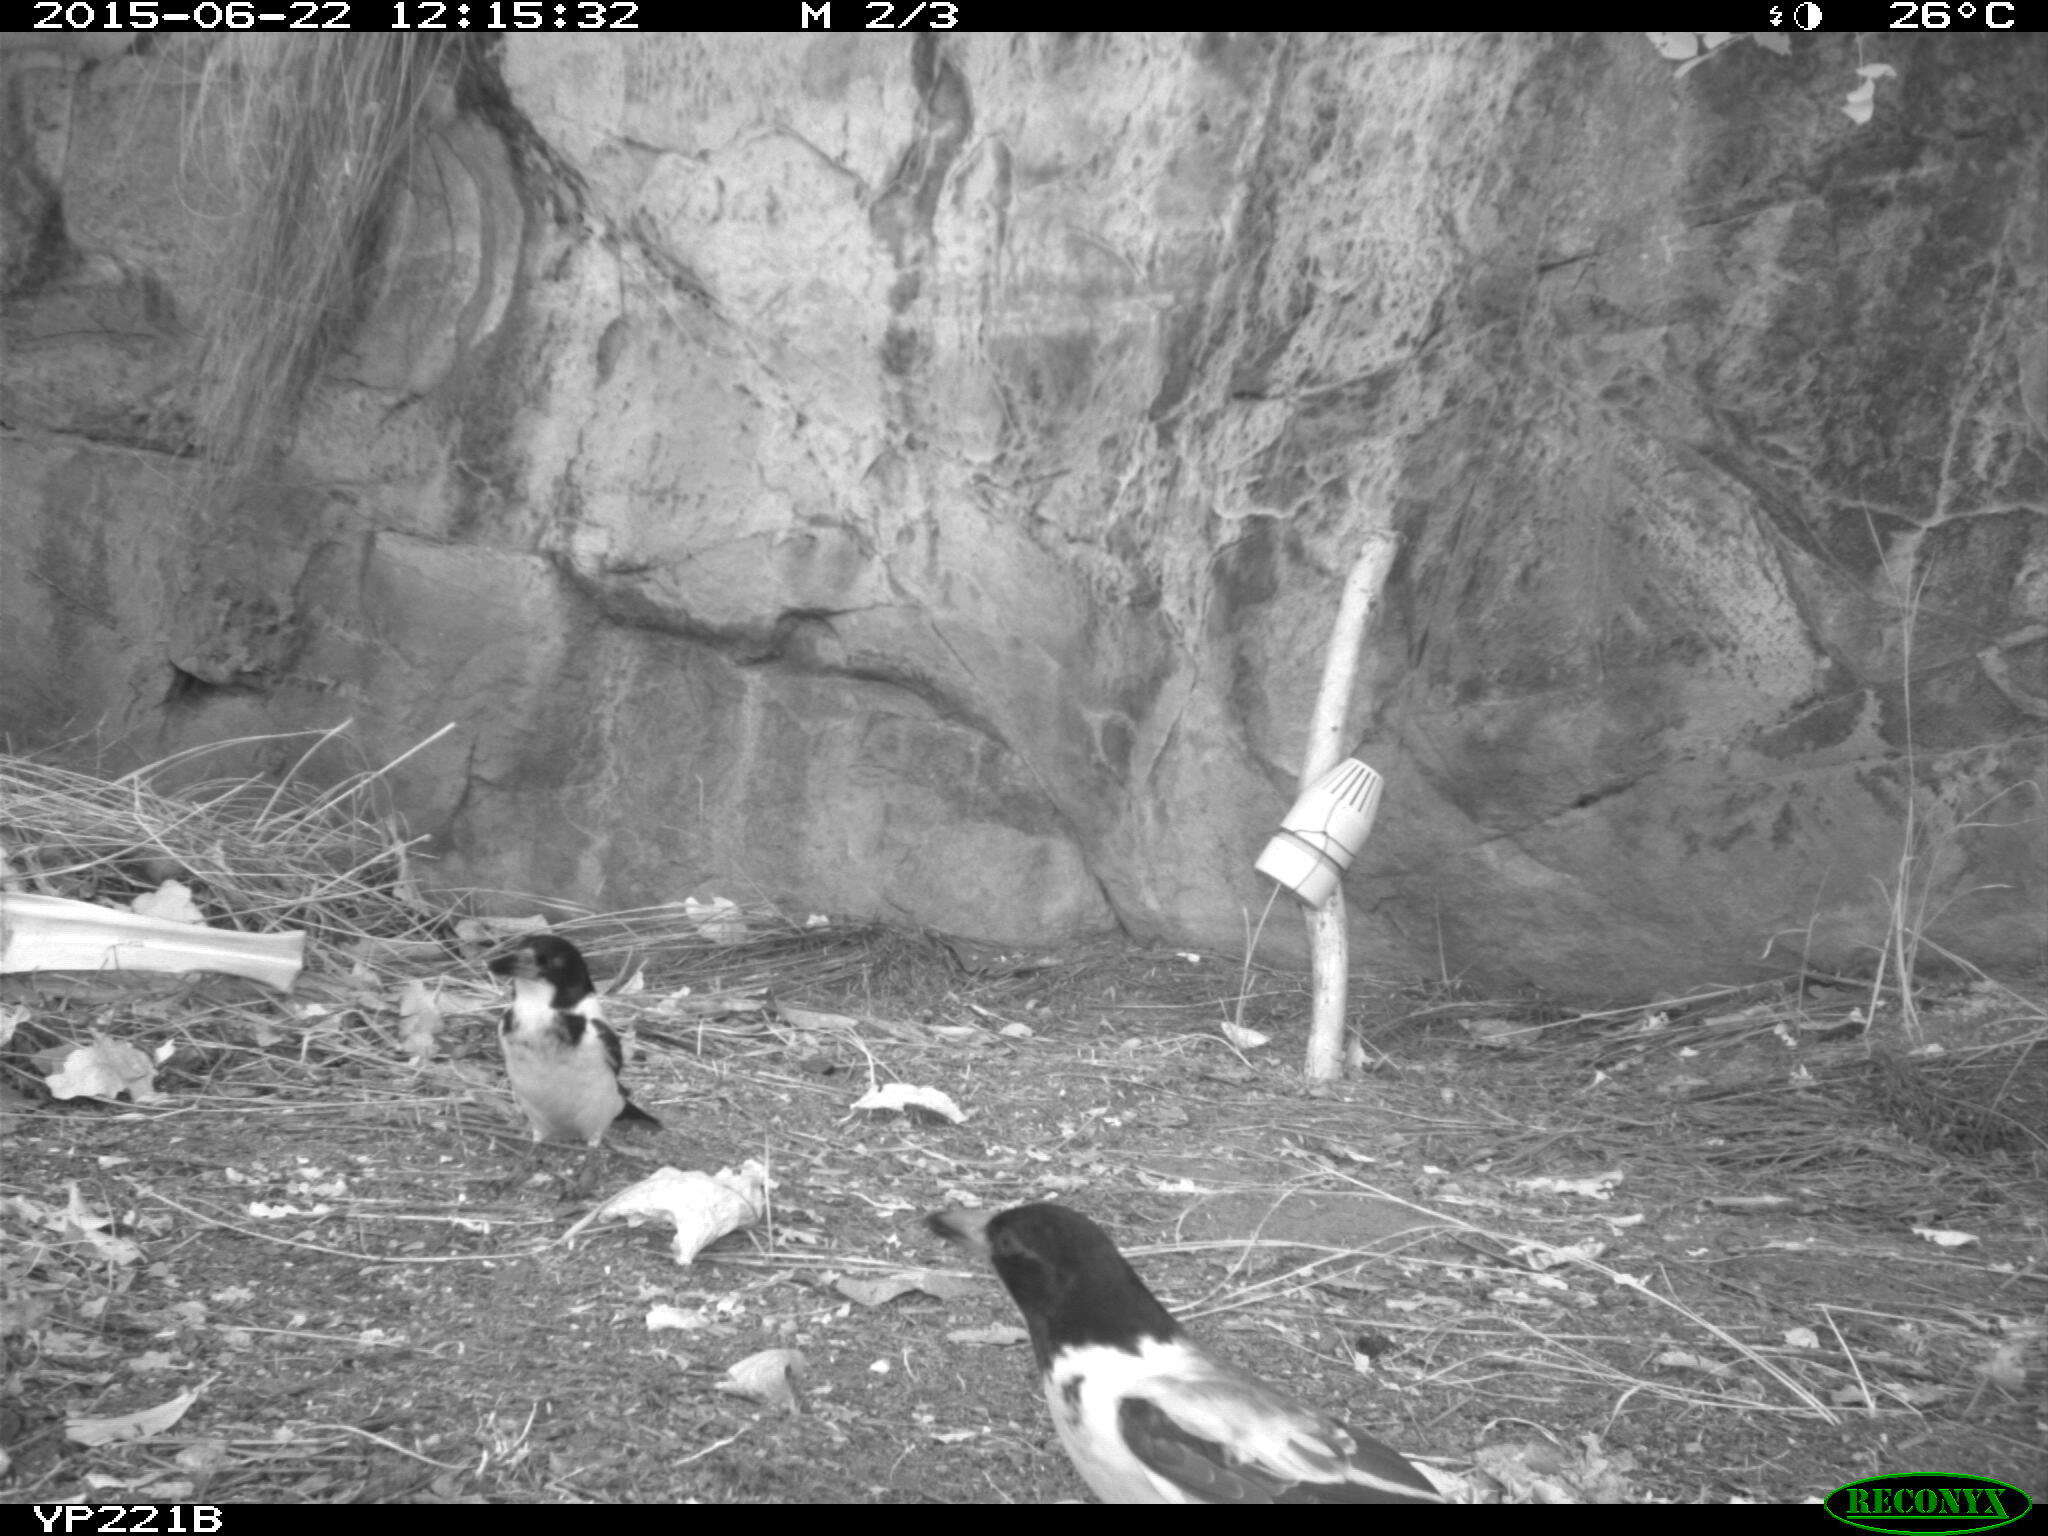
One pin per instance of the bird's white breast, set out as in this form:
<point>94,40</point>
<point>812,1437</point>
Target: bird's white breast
<point>568,1092</point>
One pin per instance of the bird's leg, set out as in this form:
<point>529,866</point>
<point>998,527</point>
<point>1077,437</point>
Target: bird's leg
<point>585,1182</point>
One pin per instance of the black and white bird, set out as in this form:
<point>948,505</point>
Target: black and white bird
<point>1145,1415</point>
<point>561,1056</point>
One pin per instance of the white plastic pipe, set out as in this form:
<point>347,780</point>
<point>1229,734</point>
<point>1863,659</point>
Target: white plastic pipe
<point>55,933</point>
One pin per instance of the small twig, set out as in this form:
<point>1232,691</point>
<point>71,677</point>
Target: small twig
<point>716,1445</point>
<point>340,1253</point>
<point>1862,1386</point>
<point>389,1445</point>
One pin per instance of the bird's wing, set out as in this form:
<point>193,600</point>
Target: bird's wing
<point>1229,1439</point>
<point>616,1055</point>
<point>613,1052</point>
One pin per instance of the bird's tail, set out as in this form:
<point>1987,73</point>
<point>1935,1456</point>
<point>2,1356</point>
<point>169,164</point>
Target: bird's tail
<point>636,1114</point>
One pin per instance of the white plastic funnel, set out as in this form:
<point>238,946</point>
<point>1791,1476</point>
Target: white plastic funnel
<point>1323,832</point>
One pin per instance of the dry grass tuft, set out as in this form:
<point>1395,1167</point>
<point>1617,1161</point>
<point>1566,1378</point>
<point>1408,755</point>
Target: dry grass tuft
<point>260,856</point>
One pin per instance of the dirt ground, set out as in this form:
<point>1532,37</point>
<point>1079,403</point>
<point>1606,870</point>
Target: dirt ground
<point>1722,1251</point>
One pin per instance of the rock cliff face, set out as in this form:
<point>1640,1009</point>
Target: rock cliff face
<point>913,478</point>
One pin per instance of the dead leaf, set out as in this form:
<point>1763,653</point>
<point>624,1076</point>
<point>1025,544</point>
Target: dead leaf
<point>170,902</point>
<point>996,1335</point>
<point>906,1096</point>
<point>702,1206</point>
<point>106,1069</point>
<point>139,1425</point>
<point>768,1377</point>
<point>1943,1237</point>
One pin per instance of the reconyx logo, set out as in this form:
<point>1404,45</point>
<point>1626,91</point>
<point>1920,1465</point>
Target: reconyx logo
<point>1946,1503</point>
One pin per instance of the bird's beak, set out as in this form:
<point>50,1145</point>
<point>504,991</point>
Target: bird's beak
<point>967,1228</point>
<point>516,963</point>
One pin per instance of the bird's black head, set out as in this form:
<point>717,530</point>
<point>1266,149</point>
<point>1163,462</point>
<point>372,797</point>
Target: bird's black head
<point>1065,1275</point>
<point>543,957</point>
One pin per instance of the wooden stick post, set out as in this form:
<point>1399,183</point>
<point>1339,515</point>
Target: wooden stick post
<point>1329,945</point>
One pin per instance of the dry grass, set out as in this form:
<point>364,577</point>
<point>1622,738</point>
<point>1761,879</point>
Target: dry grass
<point>262,856</point>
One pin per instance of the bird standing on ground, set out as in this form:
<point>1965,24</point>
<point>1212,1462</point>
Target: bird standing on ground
<point>1145,1415</point>
<point>562,1058</point>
